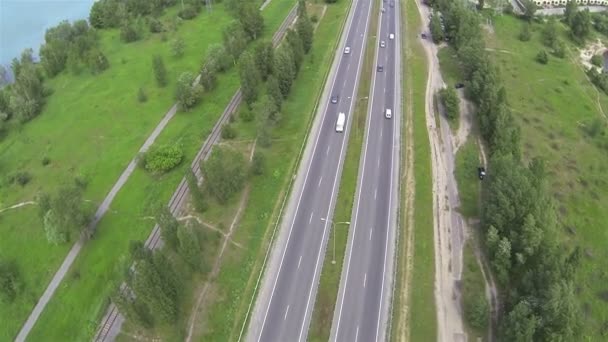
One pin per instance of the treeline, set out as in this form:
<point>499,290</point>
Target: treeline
<point>519,223</point>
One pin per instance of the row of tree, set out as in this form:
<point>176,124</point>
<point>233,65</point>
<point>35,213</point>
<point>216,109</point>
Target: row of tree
<point>518,217</point>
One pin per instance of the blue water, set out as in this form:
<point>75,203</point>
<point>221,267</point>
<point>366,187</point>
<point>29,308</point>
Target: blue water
<point>23,22</point>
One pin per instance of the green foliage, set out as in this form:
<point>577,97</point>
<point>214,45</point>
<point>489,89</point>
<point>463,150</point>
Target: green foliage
<point>155,25</point>
<point>217,58</point>
<point>305,31</point>
<point>264,58</point>
<point>160,72</point>
<point>570,12</point>
<point>63,213</point>
<point>20,177</point>
<point>600,80</point>
<point>580,26</point>
<point>284,69</point>
<point>520,324</point>
<point>199,198</point>
<point>187,94</point>
<point>163,158</point>
<point>559,49</point>
<point>189,247</point>
<point>208,79</point>
<point>258,163</point>
<point>250,78</point>
<point>435,28</point>
<point>297,48</point>
<point>251,19</point>
<point>228,132</point>
<point>246,114</point>
<point>168,226</point>
<point>27,93</point>
<point>235,40</point>
<point>597,60</point>
<point>450,102</point>
<point>177,47</point>
<point>542,57</point>
<point>274,91</point>
<point>266,111</point>
<point>189,12</point>
<point>133,308</point>
<point>130,31</point>
<point>224,173</point>
<point>476,311</point>
<point>10,281</point>
<point>98,62</point>
<point>141,95</point>
<point>529,9</point>
<point>549,32</point>
<point>525,33</point>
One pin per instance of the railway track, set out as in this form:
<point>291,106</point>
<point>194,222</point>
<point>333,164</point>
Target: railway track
<point>179,196</point>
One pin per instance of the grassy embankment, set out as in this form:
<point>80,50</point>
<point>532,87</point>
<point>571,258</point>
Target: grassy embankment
<point>79,302</point>
<point>235,285</point>
<point>419,301</point>
<point>329,282</point>
<point>92,126</point>
<point>558,109</point>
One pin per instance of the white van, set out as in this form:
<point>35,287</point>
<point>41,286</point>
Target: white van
<point>391,36</point>
<point>388,113</point>
<point>340,122</point>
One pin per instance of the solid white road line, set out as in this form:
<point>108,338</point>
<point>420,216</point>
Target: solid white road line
<point>376,193</point>
<point>327,151</point>
<point>370,233</point>
<point>310,219</point>
<point>357,334</point>
<point>299,262</point>
<point>333,193</point>
<point>320,179</point>
<point>286,311</point>
<point>364,279</point>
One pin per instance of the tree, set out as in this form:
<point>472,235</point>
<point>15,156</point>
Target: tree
<point>177,47</point>
<point>274,91</point>
<point>224,172</point>
<point>187,94</point>
<point>4,77</point>
<point>189,247</point>
<point>521,324</point>
<point>525,33</point>
<point>160,72</point>
<point>451,103</point>
<point>305,30</point>
<point>149,286</point>
<point>10,281</point>
<point>217,58</point>
<point>284,69</point>
<point>302,11</point>
<point>168,226</point>
<point>581,25</point>
<point>549,33</point>
<point>199,199</point>
<point>130,31</point>
<point>96,16</point>
<point>27,93</point>
<point>297,48</point>
<point>251,19</point>
<point>235,40</point>
<point>529,9</point>
<point>63,213</point>
<point>476,311</point>
<point>542,57</point>
<point>132,307</point>
<point>264,58</point>
<point>258,163</point>
<point>98,62</point>
<point>208,79</point>
<point>560,313</point>
<point>435,28</point>
<point>570,12</point>
<point>266,111</point>
<point>250,78</point>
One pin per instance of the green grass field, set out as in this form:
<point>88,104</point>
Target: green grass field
<point>422,318</point>
<point>467,161</point>
<point>329,283</point>
<point>555,105</point>
<point>473,287</point>
<point>235,285</point>
<point>79,302</point>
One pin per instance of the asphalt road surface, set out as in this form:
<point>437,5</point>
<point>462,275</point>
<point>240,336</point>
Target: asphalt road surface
<point>364,297</point>
<point>286,314</point>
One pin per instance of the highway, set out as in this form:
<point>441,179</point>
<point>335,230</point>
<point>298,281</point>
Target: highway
<point>363,304</point>
<point>286,300</point>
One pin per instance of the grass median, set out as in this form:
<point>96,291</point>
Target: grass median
<point>329,283</point>
<point>75,310</point>
<point>418,320</point>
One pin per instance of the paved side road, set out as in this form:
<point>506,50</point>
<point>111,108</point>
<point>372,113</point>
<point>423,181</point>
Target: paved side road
<point>364,297</point>
<point>286,296</point>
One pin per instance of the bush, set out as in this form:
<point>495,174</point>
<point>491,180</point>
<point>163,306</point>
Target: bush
<point>46,161</point>
<point>228,132</point>
<point>163,158</point>
<point>597,60</point>
<point>189,12</point>
<point>129,32</point>
<point>98,62</point>
<point>258,164</point>
<point>156,26</point>
<point>314,18</point>
<point>177,47</point>
<point>476,311</point>
<point>525,33</point>
<point>246,114</point>
<point>21,178</point>
<point>141,95</point>
<point>542,57</point>
<point>10,281</point>
<point>187,95</point>
<point>450,101</point>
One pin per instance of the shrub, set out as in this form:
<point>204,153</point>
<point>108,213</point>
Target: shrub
<point>129,32</point>
<point>177,47</point>
<point>597,60</point>
<point>224,173</point>
<point>10,281</point>
<point>156,26</point>
<point>21,178</point>
<point>189,12</point>
<point>542,57</point>
<point>314,18</point>
<point>228,132</point>
<point>246,114</point>
<point>525,33</point>
<point>450,101</point>
<point>163,158</point>
<point>98,62</point>
<point>46,161</point>
<point>141,95</point>
<point>476,311</point>
<point>258,164</point>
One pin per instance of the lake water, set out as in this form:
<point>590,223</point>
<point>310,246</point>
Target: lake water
<point>23,22</point>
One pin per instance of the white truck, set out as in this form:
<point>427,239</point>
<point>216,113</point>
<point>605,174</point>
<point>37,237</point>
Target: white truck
<point>340,122</point>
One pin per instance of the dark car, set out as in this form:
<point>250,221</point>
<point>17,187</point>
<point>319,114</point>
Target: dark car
<point>380,68</point>
<point>459,85</point>
<point>334,99</point>
<point>423,35</point>
<point>481,172</point>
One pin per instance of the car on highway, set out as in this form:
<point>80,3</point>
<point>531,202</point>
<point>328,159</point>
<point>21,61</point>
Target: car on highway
<point>459,85</point>
<point>423,35</point>
<point>382,43</point>
<point>391,36</point>
<point>383,9</point>
<point>481,172</point>
<point>388,113</point>
<point>340,122</point>
<point>347,50</point>
<point>334,99</point>
<point>380,68</point>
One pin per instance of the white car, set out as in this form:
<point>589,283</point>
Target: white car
<point>382,43</point>
<point>340,122</point>
<point>391,36</point>
<point>388,113</point>
<point>347,50</point>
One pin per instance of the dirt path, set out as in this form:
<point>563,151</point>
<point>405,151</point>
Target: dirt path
<point>18,205</point>
<point>217,264</point>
